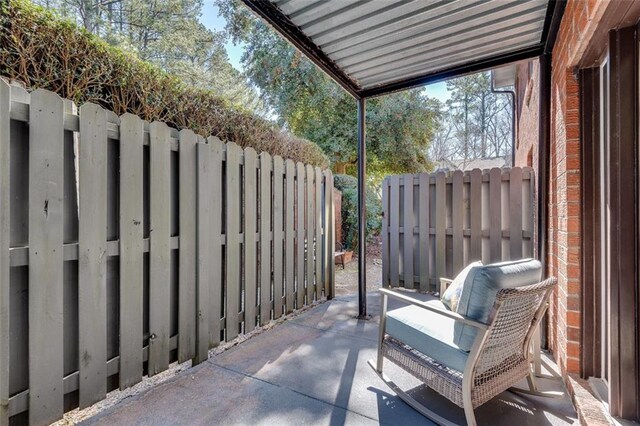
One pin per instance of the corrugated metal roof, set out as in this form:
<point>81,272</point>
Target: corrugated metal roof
<point>375,43</point>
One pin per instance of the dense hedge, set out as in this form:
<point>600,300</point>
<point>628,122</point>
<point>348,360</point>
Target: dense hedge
<point>349,187</point>
<point>44,51</point>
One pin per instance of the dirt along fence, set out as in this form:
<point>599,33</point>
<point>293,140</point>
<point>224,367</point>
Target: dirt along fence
<point>435,224</point>
<point>126,245</point>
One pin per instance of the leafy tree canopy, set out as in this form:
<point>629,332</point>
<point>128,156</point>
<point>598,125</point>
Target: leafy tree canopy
<point>167,33</point>
<point>476,122</point>
<point>399,126</point>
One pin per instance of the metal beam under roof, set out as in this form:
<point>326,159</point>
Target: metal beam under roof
<point>374,47</point>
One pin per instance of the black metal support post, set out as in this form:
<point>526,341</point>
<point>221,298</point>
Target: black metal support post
<point>362,210</point>
<point>544,143</point>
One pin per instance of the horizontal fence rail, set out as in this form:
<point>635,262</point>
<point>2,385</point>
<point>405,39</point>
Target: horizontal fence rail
<point>435,224</point>
<point>126,246</point>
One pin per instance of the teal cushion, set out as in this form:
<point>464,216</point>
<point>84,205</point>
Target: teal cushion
<point>427,332</point>
<point>480,289</point>
<point>451,297</point>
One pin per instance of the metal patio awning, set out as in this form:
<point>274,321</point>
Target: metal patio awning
<point>373,47</point>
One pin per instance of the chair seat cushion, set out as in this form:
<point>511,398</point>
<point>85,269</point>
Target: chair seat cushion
<point>481,287</point>
<point>428,332</point>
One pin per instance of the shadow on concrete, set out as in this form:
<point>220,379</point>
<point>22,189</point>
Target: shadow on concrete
<point>313,369</point>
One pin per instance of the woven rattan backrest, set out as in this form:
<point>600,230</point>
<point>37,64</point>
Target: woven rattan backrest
<point>514,314</point>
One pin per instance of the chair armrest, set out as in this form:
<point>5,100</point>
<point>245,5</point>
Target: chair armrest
<point>453,315</point>
<point>444,285</point>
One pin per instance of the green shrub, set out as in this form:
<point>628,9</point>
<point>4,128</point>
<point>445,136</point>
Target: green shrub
<point>349,187</point>
<point>41,50</point>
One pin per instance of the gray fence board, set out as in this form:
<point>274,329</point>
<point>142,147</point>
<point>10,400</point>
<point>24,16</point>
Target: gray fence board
<point>309,236</point>
<point>441,225</point>
<point>250,243</point>
<point>457,222</point>
<point>456,218</point>
<point>300,233</point>
<point>160,253</point>
<point>385,230</point>
<point>215,278</point>
<point>290,234</point>
<point>318,232</point>
<point>278,234</point>
<point>131,250</point>
<point>424,237</point>
<point>515,213</point>
<point>46,135</point>
<point>495,215</point>
<point>475,201</point>
<point>232,233</point>
<point>92,260</point>
<point>394,222</point>
<point>328,240</point>
<point>265,240</point>
<point>407,223</point>
<point>204,236</point>
<point>188,175</point>
<point>5,243</point>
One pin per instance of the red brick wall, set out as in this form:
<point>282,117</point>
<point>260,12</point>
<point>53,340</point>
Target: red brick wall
<point>337,210</point>
<point>527,95</point>
<point>563,242</point>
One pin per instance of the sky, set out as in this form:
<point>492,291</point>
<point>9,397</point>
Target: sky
<point>212,21</point>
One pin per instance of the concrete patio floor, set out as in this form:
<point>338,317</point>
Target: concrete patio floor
<point>313,370</point>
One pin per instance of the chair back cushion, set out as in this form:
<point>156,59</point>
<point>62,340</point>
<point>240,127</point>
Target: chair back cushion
<point>451,296</point>
<point>480,288</point>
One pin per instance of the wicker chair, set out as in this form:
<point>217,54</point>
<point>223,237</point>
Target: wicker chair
<point>499,356</point>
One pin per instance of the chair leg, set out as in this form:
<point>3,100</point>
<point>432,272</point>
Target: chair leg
<point>531,380</point>
<point>533,389</point>
<point>470,415</point>
<point>412,402</point>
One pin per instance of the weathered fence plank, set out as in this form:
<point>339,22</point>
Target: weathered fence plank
<point>131,249</point>
<point>328,244</point>
<point>318,232</point>
<point>46,136</point>
<point>475,206</point>
<point>457,222</point>
<point>204,236</point>
<point>424,226</point>
<point>215,277</point>
<point>290,233</point>
<point>232,233</point>
<point>300,233</point>
<point>515,213</point>
<point>188,175</point>
<point>407,224</point>
<point>278,234</point>
<point>5,243</point>
<point>457,218</point>
<point>310,229</point>
<point>265,237</point>
<point>250,243</point>
<point>160,252</point>
<point>394,221</point>
<point>92,259</point>
<point>441,226</point>
<point>495,215</point>
<point>385,230</point>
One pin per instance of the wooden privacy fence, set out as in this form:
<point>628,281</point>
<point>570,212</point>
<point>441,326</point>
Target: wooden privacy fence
<point>435,224</point>
<point>125,246</point>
